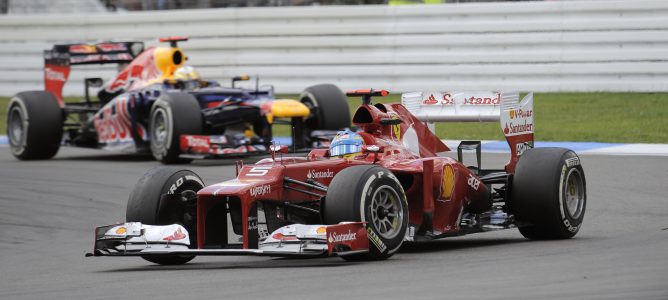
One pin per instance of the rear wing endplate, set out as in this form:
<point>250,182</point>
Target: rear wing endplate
<point>514,116</point>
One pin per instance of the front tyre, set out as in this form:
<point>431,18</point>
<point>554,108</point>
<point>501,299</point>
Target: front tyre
<point>548,195</point>
<point>34,125</point>
<point>172,115</point>
<point>369,194</point>
<point>148,206</point>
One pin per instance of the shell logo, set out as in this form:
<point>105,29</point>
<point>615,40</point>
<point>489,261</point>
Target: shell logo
<point>321,230</point>
<point>121,230</point>
<point>448,182</point>
<point>512,114</point>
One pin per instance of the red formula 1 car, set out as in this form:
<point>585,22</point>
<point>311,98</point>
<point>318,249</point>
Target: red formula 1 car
<point>365,195</point>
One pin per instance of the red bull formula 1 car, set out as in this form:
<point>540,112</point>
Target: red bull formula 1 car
<point>156,103</point>
<point>365,195</point>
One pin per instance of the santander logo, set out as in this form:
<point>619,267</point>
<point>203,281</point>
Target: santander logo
<point>313,174</point>
<point>430,100</point>
<point>342,237</point>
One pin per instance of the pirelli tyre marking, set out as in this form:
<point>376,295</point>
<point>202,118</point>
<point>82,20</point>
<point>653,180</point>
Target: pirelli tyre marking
<point>376,240</point>
<point>180,182</point>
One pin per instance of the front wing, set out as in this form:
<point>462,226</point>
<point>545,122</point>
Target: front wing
<point>136,239</point>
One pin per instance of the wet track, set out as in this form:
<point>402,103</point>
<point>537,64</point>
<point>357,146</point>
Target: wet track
<point>48,210</point>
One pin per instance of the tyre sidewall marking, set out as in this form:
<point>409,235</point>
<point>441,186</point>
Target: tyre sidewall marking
<point>566,219</point>
<point>175,184</point>
<point>19,149</point>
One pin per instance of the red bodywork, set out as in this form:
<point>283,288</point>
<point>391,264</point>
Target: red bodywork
<point>437,188</point>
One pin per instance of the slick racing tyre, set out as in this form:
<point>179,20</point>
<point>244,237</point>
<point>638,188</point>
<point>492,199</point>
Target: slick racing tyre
<point>328,106</point>
<point>148,206</point>
<point>172,115</point>
<point>34,125</point>
<point>369,194</point>
<point>548,194</point>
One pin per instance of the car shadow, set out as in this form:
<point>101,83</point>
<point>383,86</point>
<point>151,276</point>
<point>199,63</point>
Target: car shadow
<point>457,244</point>
<point>105,156</point>
<point>269,263</point>
<point>292,263</point>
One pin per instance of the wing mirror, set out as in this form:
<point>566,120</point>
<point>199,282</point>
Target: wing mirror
<point>239,78</point>
<point>278,149</point>
<point>375,149</point>
<point>371,148</point>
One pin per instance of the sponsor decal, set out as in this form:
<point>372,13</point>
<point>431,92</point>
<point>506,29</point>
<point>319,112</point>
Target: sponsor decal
<point>258,171</point>
<point>197,141</point>
<point>321,230</point>
<point>252,223</point>
<point>396,128</point>
<point>519,113</point>
<point>520,148</point>
<point>473,100</point>
<point>448,185</point>
<point>373,237</point>
<point>438,98</point>
<point>85,58</point>
<point>473,182</point>
<point>176,185</point>
<point>260,190</point>
<point>128,76</point>
<point>121,230</point>
<point>177,235</point>
<point>431,100</point>
<point>342,237</point>
<point>514,129</point>
<point>83,49</point>
<point>281,237</point>
<point>313,174</point>
<point>109,47</point>
<point>573,161</point>
<point>113,124</point>
<point>447,99</point>
<point>54,75</point>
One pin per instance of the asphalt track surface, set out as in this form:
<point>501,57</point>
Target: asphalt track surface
<point>48,210</point>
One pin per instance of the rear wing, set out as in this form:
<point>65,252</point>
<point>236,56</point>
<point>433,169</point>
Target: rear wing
<point>57,61</point>
<point>514,116</point>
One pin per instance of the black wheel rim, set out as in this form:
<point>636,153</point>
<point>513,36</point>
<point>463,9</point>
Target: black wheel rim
<point>387,213</point>
<point>159,129</point>
<point>573,193</point>
<point>15,125</point>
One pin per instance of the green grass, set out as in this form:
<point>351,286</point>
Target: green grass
<point>598,117</point>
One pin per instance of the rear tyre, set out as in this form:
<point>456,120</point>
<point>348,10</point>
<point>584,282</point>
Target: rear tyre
<point>548,195</point>
<point>144,204</point>
<point>369,194</point>
<point>172,115</point>
<point>34,125</point>
<point>328,105</point>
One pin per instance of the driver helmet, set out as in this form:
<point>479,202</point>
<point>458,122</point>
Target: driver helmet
<point>186,73</point>
<point>346,143</point>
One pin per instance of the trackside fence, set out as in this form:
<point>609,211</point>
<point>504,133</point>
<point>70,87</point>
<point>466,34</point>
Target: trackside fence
<point>538,46</point>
